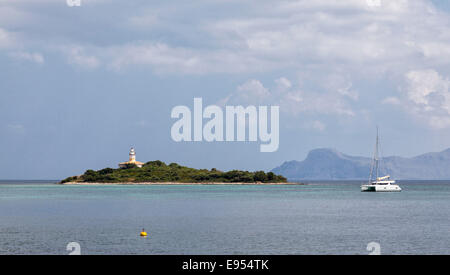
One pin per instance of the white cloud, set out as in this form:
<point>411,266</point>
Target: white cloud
<point>12,16</point>
<point>32,57</point>
<point>301,101</point>
<point>262,36</point>
<point>341,84</point>
<point>348,91</point>
<point>391,100</point>
<point>13,46</point>
<point>338,42</point>
<point>76,55</point>
<point>423,84</point>
<point>252,90</point>
<point>427,96</point>
<point>6,39</point>
<point>16,128</point>
<point>159,55</point>
<point>292,100</point>
<point>283,83</point>
<point>342,31</point>
<point>439,122</point>
<point>318,125</point>
<point>297,34</point>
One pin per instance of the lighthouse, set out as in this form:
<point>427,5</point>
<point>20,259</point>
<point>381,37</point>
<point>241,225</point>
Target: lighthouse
<point>132,155</point>
<point>132,160</point>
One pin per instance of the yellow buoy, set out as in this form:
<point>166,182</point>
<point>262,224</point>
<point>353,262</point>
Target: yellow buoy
<point>143,233</point>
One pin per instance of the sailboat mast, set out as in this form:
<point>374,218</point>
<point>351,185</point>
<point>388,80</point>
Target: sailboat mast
<point>374,165</point>
<point>376,155</point>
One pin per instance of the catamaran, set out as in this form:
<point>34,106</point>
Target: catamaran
<point>380,184</point>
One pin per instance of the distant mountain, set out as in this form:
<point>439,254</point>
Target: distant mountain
<point>329,164</point>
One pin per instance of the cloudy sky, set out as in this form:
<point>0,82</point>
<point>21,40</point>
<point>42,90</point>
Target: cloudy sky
<point>80,85</point>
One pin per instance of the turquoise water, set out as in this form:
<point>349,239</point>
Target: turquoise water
<point>319,218</point>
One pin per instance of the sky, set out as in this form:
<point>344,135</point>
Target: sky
<point>80,85</point>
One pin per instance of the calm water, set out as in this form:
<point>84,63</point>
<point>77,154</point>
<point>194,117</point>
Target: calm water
<point>320,218</point>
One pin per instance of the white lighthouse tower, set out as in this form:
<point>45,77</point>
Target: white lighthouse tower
<point>132,160</point>
<point>132,155</point>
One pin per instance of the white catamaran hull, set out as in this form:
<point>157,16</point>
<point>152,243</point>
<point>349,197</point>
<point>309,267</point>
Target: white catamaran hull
<point>380,188</point>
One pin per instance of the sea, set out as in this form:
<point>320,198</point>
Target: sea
<point>320,217</point>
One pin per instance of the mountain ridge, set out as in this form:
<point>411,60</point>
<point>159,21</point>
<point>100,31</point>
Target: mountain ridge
<point>331,164</point>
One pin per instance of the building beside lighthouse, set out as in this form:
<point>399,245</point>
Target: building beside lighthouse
<point>132,160</point>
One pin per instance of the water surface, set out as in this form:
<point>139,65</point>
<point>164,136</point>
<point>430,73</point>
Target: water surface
<point>318,218</point>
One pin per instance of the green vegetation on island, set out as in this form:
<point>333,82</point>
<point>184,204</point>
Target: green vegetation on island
<point>158,171</point>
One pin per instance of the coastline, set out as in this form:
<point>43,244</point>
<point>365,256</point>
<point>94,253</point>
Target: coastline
<point>181,183</point>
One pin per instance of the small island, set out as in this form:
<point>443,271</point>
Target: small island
<point>157,172</point>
